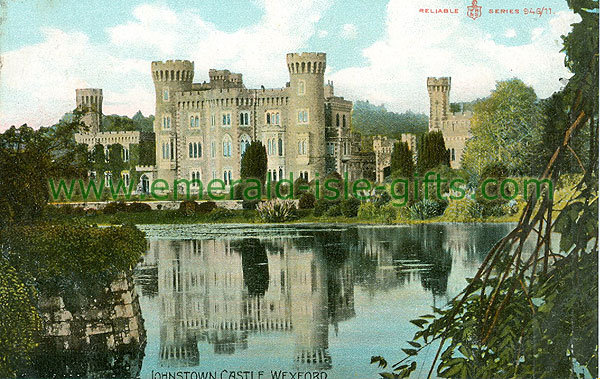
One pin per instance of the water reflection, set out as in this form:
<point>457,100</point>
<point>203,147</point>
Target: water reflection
<point>221,291</point>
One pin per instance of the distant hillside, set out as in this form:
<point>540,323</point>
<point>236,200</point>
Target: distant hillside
<point>370,119</point>
<point>139,122</point>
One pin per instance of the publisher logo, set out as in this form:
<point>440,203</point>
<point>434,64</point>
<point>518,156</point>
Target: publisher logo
<point>474,10</point>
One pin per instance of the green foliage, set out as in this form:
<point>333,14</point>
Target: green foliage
<point>254,162</point>
<point>463,210</point>
<point>206,207</point>
<point>503,128</point>
<point>64,260</point>
<point>115,123</point>
<point>115,161</point>
<point>402,163</point>
<point>431,152</point>
<point>426,209</point>
<point>276,210</point>
<point>322,206</point>
<point>371,212</point>
<point>146,154</point>
<point>220,214</point>
<point>334,211</point>
<point>349,207</point>
<point>188,207</point>
<point>369,119</point>
<point>19,320</point>
<point>28,158</point>
<point>306,201</point>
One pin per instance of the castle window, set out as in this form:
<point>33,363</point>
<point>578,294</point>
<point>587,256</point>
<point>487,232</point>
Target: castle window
<point>337,119</point>
<point>226,146</point>
<point>280,173</point>
<point>226,119</point>
<point>277,118</point>
<point>302,147</point>
<point>301,87</point>
<point>197,122</point>
<point>213,120</point>
<point>227,177</point>
<point>330,148</point>
<point>191,121</point>
<point>244,143</point>
<point>245,118</point>
<point>452,154</point>
<point>268,118</point>
<point>166,95</point>
<point>303,116</point>
<point>343,121</point>
<point>213,149</point>
<point>280,147</point>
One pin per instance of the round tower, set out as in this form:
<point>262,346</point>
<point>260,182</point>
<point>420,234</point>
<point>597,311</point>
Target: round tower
<point>169,77</point>
<point>307,114</point>
<point>439,105</point>
<point>89,101</point>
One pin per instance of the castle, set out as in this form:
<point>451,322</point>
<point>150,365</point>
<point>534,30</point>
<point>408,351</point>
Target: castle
<point>456,127</point>
<point>202,130</point>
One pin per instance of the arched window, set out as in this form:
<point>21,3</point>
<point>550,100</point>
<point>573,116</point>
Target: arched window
<point>191,150</point>
<point>191,121</point>
<point>277,115</point>
<point>268,118</point>
<point>337,119</point>
<point>244,143</point>
<point>343,121</point>
<point>280,173</point>
<point>226,145</point>
<point>197,122</point>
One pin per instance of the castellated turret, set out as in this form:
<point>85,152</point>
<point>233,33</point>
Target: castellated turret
<point>439,101</point>
<point>307,120</point>
<point>169,77</point>
<point>89,101</point>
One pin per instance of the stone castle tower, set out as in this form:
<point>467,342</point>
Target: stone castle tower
<point>89,101</point>
<point>439,101</point>
<point>308,123</point>
<point>456,127</point>
<point>169,77</point>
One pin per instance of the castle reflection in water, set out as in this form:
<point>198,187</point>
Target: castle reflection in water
<point>218,291</point>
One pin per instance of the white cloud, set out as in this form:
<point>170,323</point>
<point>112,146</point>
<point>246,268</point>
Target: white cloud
<point>349,31</point>
<point>416,46</point>
<point>322,33</point>
<point>510,33</point>
<point>38,81</point>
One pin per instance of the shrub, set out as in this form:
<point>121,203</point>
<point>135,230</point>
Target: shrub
<point>250,204</point>
<point>205,207</point>
<point>322,205</point>
<point>19,319</point>
<point>307,201</point>
<point>349,207</point>
<point>382,198</point>
<point>114,207</point>
<point>66,259</point>
<point>138,207</point>
<point>367,211</point>
<point>219,214</point>
<point>188,207</point>
<point>463,210</point>
<point>276,210</point>
<point>425,209</point>
<point>386,213</point>
<point>334,211</point>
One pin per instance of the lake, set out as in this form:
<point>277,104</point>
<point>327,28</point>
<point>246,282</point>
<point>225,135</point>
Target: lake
<point>315,299</point>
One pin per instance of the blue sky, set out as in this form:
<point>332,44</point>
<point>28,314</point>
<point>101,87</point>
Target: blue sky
<point>377,50</point>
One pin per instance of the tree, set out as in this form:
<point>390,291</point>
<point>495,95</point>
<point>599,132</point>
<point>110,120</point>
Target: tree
<point>28,158</point>
<point>115,161</point>
<point>532,310</point>
<point>402,164</point>
<point>254,162</point>
<point>503,128</point>
<point>431,152</point>
<point>369,119</point>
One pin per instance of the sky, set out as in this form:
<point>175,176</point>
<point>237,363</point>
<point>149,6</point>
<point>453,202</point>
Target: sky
<point>377,50</point>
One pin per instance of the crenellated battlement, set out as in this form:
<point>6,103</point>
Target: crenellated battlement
<point>306,63</point>
<point>173,70</point>
<point>438,84</point>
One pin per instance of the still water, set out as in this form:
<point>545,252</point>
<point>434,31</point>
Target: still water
<point>297,298</point>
